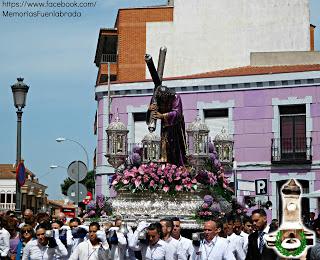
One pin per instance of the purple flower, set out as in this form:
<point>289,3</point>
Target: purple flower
<point>137,149</point>
<point>136,159</point>
<point>211,147</point>
<point>202,177</point>
<point>212,157</point>
<point>215,207</point>
<point>217,163</point>
<point>208,199</point>
<point>100,201</point>
<point>91,213</point>
<point>91,205</point>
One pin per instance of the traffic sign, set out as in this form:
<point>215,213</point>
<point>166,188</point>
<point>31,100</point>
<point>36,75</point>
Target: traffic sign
<point>261,186</point>
<point>21,174</point>
<point>77,171</point>
<point>73,195</point>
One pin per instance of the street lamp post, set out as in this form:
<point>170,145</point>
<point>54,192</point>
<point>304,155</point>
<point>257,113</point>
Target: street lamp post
<point>19,91</point>
<point>62,139</point>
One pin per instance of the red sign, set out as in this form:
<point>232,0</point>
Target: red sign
<point>88,198</point>
<point>69,212</point>
<point>21,174</point>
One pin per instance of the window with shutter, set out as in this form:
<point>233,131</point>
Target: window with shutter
<point>293,132</point>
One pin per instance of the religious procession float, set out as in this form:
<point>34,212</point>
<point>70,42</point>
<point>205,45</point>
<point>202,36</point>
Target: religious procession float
<point>179,173</point>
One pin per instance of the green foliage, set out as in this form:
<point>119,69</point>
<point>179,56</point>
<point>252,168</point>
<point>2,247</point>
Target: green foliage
<point>284,251</point>
<point>89,182</point>
<point>219,191</point>
<point>65,185</point>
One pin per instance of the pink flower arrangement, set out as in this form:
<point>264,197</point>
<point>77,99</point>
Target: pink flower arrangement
<point>155,177</point>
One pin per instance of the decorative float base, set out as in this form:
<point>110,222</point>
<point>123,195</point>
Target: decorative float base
<point>152,206</point>
<point>157,205</point>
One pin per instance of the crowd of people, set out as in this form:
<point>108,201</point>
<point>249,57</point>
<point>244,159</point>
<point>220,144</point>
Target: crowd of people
<point>42,237</point>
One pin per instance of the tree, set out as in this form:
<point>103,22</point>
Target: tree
<point>88,181</point>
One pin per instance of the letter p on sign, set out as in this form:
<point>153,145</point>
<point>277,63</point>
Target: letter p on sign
<point>261,186</point>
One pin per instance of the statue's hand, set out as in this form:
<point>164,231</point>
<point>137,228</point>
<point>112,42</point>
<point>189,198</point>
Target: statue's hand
<point>157,115</point>
<point>153,107</point>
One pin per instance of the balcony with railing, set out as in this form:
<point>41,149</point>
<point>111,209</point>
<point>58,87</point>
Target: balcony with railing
<point>291,150</point>
<point>112,58</point>
<point>7,206</point>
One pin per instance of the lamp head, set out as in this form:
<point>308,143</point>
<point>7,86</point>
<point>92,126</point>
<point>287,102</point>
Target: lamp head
<point>19,91</point>
<point>60,139</point>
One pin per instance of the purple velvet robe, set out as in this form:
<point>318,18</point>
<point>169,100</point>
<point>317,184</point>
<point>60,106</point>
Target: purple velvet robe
<point>173,137</point>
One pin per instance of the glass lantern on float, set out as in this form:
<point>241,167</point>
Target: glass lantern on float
<point>117,146</point>
<point>151,148</point>
<point>224,147</point>
<point>198,142</point>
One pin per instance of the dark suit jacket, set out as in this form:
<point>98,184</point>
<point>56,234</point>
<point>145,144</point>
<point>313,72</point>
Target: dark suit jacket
<point>253,250</point>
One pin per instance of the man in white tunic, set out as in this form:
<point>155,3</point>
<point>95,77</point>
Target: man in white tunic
<point>92,249</point>
<point>185,245</point>
<point>152,249</point>
<point>236,242</point>
<point>213,247</point>
<point>246,231</point>
<point>172,243</point>
<point>78,233</point>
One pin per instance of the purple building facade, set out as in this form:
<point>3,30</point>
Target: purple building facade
<point>259,87</point>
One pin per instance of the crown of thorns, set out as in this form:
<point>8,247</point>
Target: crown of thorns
<point>164,91</point>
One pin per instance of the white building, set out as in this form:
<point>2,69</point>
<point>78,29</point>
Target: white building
<point>33,193</point>
<point>210,35</point>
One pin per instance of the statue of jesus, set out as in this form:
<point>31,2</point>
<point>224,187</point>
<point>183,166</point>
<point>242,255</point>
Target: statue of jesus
<point>168,109</point>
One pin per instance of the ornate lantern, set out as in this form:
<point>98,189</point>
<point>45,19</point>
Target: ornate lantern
<point>117,146</point>
<point>31,191</point>
<point>224,147</point>
<point>39,193</point>
<point>151,148</point>
<point>198,145</point>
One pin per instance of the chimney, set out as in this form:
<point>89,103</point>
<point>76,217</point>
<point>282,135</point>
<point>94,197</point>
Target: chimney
<point>170,3</point>
<point>312,29</point>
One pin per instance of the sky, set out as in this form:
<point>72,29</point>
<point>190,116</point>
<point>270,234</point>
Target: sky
<point>55,57</point>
